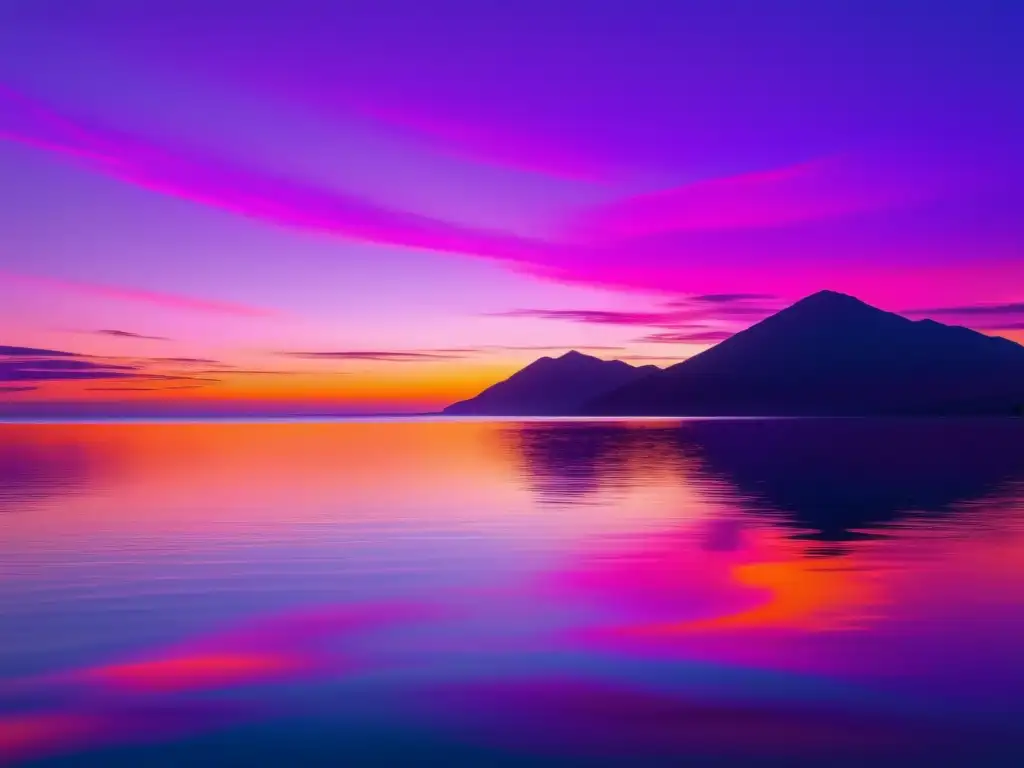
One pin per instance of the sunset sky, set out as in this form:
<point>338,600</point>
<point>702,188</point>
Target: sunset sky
<point>386,205</point>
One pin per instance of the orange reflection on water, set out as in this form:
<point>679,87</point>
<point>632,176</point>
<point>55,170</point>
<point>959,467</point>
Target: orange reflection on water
<point>802,595</point>
<point>179,477</point>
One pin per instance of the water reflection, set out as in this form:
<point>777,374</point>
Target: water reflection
<point>564,463</point>
<point>828,481</point>
<point>34,467</point>
<point>597,589</point>
<point>832,481</point>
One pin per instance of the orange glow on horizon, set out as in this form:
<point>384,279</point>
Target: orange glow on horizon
<point>402,386</point>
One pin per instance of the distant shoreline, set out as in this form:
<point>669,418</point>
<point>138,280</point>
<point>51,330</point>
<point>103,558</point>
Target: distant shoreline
<point>439,417</point>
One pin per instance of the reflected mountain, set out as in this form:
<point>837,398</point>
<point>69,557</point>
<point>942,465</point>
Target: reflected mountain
<point>831,480</point>
<point>567,462</point>
<point>834,479</point>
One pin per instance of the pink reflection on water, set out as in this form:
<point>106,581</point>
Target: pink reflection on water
<point>287,645</point>
<point>43,734</point>
<point>759,604</point>
<point>259,651</point>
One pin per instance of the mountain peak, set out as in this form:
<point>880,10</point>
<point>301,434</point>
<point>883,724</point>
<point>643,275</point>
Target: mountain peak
<point>828,309</point>
<point>550,386</point>
<point>572,354</point>
<point>830,299</point>
<point>830,354</point>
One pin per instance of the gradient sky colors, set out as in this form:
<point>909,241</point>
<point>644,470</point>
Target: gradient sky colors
<point>387,205</point>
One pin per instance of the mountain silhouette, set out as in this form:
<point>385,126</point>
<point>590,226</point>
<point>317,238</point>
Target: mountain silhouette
<point>551,387</point>
<point>832,354</point>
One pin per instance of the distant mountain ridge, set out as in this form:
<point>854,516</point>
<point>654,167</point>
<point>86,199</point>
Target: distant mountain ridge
<point>828,354</point>
<point>551,387</point>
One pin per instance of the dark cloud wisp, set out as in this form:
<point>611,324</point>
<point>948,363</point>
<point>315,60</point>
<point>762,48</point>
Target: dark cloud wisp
<point>389,356</point>
<point>128,335</point>
<point>6,351</point>
<point>710,336</point>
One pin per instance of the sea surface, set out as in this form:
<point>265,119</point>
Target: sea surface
<point>502,593</point>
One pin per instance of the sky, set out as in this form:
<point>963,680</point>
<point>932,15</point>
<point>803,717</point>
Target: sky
<point>387,205</point>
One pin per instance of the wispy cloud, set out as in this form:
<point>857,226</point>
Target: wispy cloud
<point>742,232</point>
<point>185,360</point>
<point>181,172</point>
<point>987,317</point>
<point>598,316</point>
<point>123,293</point>
<point>33,364</point>
<point>389,356</point>
<point>69,364</point>
<point>129,335</point>
<point>821,188</point>
<point>244,372</point>
<point>9,372</point>
<point>701,319</point>
<point>147,389</point>
<point>552,348</point>
<point>487,144</point>
<point>1014,308</point>
<point>6,351</point>
<point>728,298</point>
<point>687,337</point>
<point>17,389</point>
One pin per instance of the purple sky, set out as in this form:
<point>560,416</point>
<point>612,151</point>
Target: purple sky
<point>463,184</point>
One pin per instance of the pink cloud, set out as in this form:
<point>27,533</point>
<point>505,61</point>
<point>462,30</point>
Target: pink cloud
<point>822,188</point>
<point>122,293</point>
<point>185,174</point>
<point>688,337</point>
<point>387,356</point>
<point>602,316</point>
<point>685,318</point>
<point>487,144</point>
<point>789,231</point>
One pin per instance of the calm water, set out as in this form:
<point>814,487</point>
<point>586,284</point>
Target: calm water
<point>505,594</point>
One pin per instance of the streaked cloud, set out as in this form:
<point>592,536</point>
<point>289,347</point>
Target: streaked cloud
<point>6,351</point>
<point>688,337</point>
<point>553,348</point>
<point>728,298</point>
<point>255,193</point>
<point>69,364</point>
<point>129,335</point>
<point>597,316</point>
<point>1013,308</point>
<point>33,364</point>
<point>485,143</point>
<point>746,233</point>
<point>186,360</point>
<point>389,356</point>
<point>822,188</point>
<point>243,372</point>
<point>147,389</point>
<point>124,293</point>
